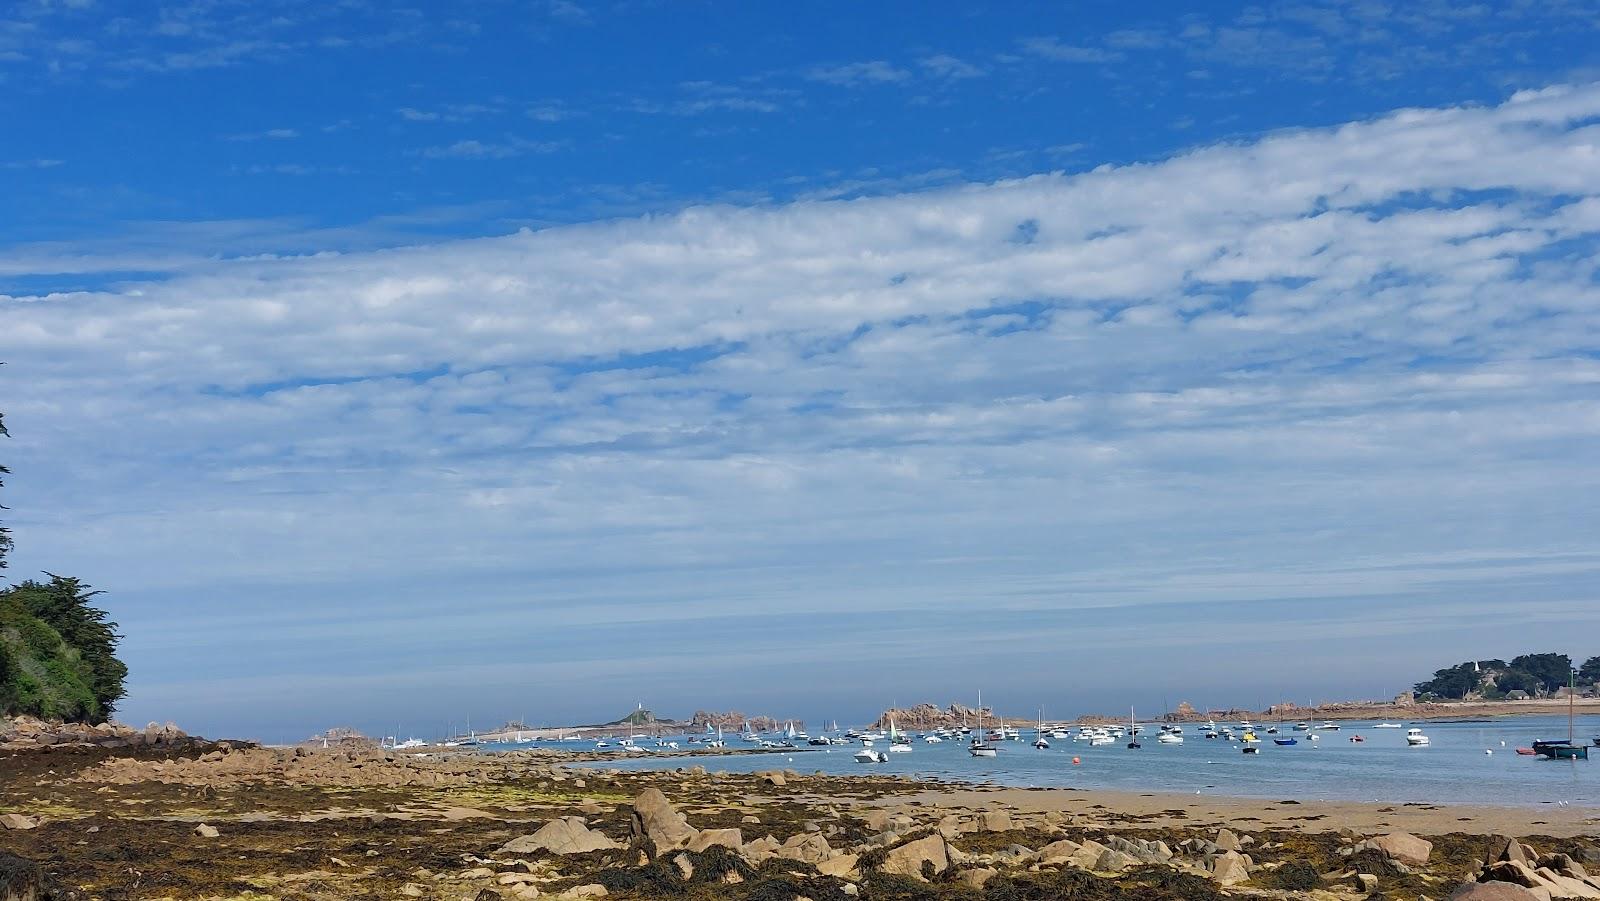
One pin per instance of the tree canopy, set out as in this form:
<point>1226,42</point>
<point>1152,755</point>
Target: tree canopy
<point>1589,673</point>
<point>1552,670</point>
<point>57,651</point>
<point>1532,673</point>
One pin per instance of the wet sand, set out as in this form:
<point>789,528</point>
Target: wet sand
<point>1175,810</point>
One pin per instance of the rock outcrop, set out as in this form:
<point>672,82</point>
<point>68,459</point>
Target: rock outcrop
<point>655,818</point>
<point>567,835</point>
<point>908,859</point>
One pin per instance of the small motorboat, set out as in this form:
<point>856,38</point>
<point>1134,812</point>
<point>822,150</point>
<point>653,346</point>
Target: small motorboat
<point>1329,727</point>
<point>1356,739</point>
<point>1416,739</point>
<point>1250,749</point>
<point>1527,752</point>
<point>1285,742</point>
<point>1387,726</point>
<point>1302,727</point>
<point>867,755</point>
<point>1170,738</point>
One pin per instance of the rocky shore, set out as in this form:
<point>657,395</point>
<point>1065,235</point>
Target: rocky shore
<point>185,818</point>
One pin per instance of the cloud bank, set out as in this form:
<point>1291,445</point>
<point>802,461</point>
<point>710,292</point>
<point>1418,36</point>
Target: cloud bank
<point>1332,382</point>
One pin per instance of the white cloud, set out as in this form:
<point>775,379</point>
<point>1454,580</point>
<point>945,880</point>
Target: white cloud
<point>1052,48</point>
<point>856,74</point>
<point>944,65</point>
<point>1355,362</point>
<point>473,149</point>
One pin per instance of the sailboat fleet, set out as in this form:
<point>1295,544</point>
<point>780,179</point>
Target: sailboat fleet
<point>983,740</point>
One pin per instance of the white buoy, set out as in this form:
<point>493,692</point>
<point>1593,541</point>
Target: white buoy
<point>1489,751</point>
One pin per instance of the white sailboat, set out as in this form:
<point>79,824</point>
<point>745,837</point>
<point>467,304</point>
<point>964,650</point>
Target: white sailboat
<point>898,744</point>
<point>980,747</point>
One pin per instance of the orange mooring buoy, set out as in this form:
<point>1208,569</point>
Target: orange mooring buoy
<point>1076,761</point>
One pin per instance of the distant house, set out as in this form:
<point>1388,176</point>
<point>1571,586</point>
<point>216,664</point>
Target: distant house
<point>1516,694</point>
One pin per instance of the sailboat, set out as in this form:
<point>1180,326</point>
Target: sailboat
<point>898,743</point>
<point>1569,749</point>
<point>980,747</point>
<point>1039,740</point>
<point>1133,731</point>
<point>719,742</point>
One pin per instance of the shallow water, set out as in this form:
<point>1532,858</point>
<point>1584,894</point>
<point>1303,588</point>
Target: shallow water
<point>1454,770</point>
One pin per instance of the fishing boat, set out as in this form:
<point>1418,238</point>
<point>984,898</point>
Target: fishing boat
<point>1416,739</point>
<point>1286,742</point>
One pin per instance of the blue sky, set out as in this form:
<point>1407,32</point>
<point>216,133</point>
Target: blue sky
<point>403,365</point>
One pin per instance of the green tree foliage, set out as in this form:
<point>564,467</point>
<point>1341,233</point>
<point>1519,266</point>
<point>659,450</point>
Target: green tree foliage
<point>1552,670</point>
<point>58,653</point>
<point>1589,673</point>
<point>1455,682</point>
<point>1514,680</point>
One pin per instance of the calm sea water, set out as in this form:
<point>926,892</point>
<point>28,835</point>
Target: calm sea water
<point>1454,770</point>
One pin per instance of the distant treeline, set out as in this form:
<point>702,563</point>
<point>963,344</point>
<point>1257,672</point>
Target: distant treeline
<point>1534,674</point>
<point>57,652</point>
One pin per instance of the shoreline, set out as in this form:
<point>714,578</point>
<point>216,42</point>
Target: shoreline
<point>219,818</point>
<point>1174,810</point>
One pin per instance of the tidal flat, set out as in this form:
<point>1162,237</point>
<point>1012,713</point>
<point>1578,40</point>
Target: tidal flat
<point>220,820</point>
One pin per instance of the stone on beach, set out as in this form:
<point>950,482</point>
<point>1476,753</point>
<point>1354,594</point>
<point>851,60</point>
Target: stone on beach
<point>1495,891</point>
<point>655,818</point>
<point>907,859</point>
<point>840,867</point>
<point>567,835</point>
<point>17,821</point>
<point>807,847</point>
<point>1229,868</point>
<point>995,821</point>
<point>711,838</point>
<point>1404,847</point>
<point>206,831</point>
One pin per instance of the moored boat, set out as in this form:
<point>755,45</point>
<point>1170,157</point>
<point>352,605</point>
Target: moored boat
<point>1416,739</point>
<point>1285,742</point>
<point>980,747</point>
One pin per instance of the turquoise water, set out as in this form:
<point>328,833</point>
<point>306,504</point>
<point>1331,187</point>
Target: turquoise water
<point>1454,770</point>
